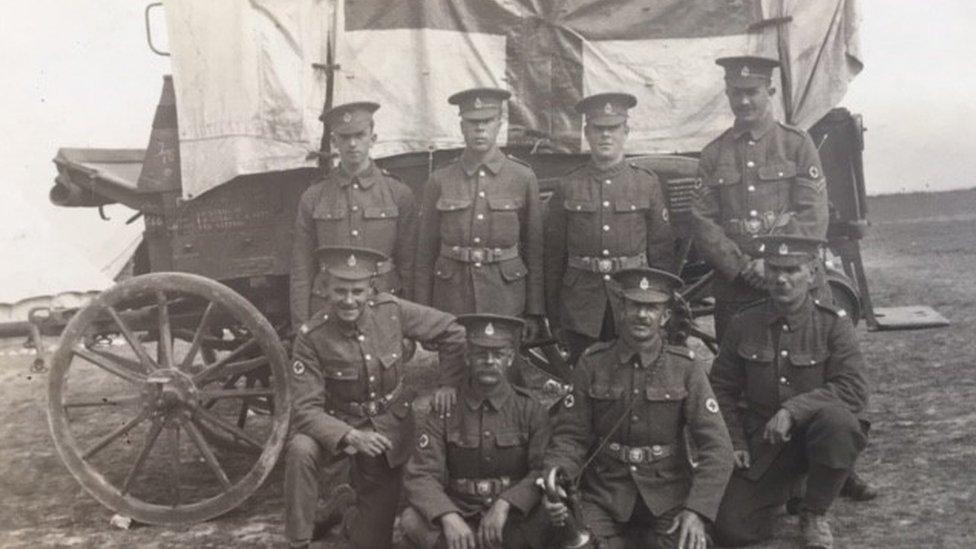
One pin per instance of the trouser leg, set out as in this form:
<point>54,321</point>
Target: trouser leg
<point>369,523</point>
<point>418,530</point>
<point>749,506</point>
<point>528,531</point>
<point>303,459</point>
<point>658,536</point>
<point>833,439</point>
<point>609,533</point>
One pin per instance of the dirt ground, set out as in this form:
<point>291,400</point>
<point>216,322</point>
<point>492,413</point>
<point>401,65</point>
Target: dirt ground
<point>921,250</point>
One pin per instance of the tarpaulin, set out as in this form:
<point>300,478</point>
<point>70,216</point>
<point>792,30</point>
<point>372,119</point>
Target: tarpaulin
<point>248,95</point>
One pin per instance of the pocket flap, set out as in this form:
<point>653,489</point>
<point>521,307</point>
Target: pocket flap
<point>381,212</point>
<point>454,438</point>
<point>328,211</point>
<point>445,268</point>
<point>573,205</point>
<point>727,176</point>
<point>389,358</point>
<point>603,391</point>
<point>513,269</point>
<point>344,371</point>
<point>781,170</point>
<point>510,439</point>
<point>453,204</point>
<point>632,204</point>
<point>503,203</point>
<point>665,394</point>
<point>755,352</point>
<point>805,359</point>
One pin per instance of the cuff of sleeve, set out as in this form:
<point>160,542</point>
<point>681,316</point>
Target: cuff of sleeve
<point>796,412</point>
<point>524,496</point>
<point>705,507</point>
<point>437,508</point>
<point>331,439</point>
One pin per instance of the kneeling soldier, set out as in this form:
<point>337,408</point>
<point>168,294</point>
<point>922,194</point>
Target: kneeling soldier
<point>797,366</point>
<point>349,398</point>
<point>621,430</point>
<point>470,480</point>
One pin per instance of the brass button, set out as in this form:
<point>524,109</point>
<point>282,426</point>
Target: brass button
<point>477,265</point>
<point>355,208</point>
<point>633,468</point>
<point>481,173</point>
<point>606,252</point>
<point>608,181</point>
<point>606,277</point>
<point>487,433</point>
<point>480,216</point>
<point>477,240</point>
<point>354,232</point>
<point>786,328</point>
<point>606,203</point>
<point>636,391</point>
<point>372,394</point>
<point>372,378</point>
<point>355,186</point>
<point>361,337</point>
<point>751,188</point>
<point>750,164</point>
<point>752,143</point>
<point>634,418</point>
<point>784,353</point>
<point>614,447</point>
<point>368,357</point>
<point>783,380</point>
<point>606,228</point>
<point>481,194</point>
<point>753,213</point>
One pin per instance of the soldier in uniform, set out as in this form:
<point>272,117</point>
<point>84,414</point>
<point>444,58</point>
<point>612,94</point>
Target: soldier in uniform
<point>620,432</point>
<point>349,397</point>
<point>470,480</point>
<point>759,177</point>
<point>796,365</point>
<point>480,245</point>
<point>356,204</point>
<point>605,216</point>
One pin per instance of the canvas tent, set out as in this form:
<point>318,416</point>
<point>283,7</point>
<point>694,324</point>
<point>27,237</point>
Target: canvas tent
<point>251,77</point>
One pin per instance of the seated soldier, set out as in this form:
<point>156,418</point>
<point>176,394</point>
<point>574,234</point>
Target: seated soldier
<point>349,397</point>
<point>796,365</point>
<point>470,480</point>
<point>621,432</point>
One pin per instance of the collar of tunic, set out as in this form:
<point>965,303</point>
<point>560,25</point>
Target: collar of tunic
<point>365,178</point>
<point>608,172</point>
<point>756,132</point>
<point>493,161</point>
<point>794,320</point>
<point>497,399</point>
<point>626,354</point>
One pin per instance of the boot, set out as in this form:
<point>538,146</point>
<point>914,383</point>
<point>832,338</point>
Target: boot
<point>816,531</point>
<point>330,514</point>
<point>857,489</point>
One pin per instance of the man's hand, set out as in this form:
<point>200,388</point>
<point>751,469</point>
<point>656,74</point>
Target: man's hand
<point>557,510</point>
<point>741,459</point>
<point>755,274</point>
<point>457,533</point>
<point>370,443</point>
<point>492,525</point>
<point>444,399</point>
<point>778,428</point>
<point>691,530</point>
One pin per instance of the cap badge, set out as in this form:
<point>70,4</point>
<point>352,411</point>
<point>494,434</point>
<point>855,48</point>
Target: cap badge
<point>608,108</point>
<point>477,103</point>
<point>490,329</point>
<point>784,249</point>
<point>745,71</point>
<point>645,284</point>
<point>347,118</point>
<point>351,261</point>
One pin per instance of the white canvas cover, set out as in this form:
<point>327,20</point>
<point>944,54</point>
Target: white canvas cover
<point>248,95</point>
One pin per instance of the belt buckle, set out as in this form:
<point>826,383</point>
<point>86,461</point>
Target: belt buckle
<point>657,451</point>
<point>477,256</point>
<point>371,408</point>
<point>604,265</point>
<point>635,455</point>
<point>753,226</point>
<point>483,487</point>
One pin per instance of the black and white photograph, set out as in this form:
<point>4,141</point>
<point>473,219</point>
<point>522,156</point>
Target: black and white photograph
<point>485,274</point>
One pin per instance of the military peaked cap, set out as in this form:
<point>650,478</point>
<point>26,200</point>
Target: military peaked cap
<point>747,71</point>
<point>606,109</point>
<point>647,285</point>
<point>350,263</point>
<point>480,103</point>
<point>489,330</point>
<point>788,250</point>
<point>350,117</point>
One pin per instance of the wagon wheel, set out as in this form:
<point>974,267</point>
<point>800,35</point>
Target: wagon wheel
<point>128,422</point>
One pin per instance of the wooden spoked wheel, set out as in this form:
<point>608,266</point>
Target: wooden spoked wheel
<point>129,403</point>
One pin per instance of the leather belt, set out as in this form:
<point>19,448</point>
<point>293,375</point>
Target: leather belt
<point>370,408</point>
<point>467,254</point>
<point>607,265</point>
<point>639,454</point>
<point>754,225</point>
<point>483,487</point>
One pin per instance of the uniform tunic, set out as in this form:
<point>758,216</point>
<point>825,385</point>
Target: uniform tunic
<point>501,438</point>
<point>601,214</point>
<point>370,210</point>
<point>657,399</point>
<point>480,239</point>
<point>335,366</point>
<point>801,363</point>
<point>760,181</point>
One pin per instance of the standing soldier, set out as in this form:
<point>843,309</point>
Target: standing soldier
<point>357,204</point>
<point>606,216</point>
<point>470,481</point>
<point>759,177</point>
<point>621,431</point>
<point>480,245</point>
<point>796,365</point>
<point>347,378</point>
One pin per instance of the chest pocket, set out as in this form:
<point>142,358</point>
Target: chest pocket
<point>457,439</point>
<point>329,213</point>
<point>639,204</point>
<point>777,171</point>
<point>381,212</point>
<point>723,176</point>
<point>453,204</point>
<point>511,440</point>
<point>577,205</point>
<point>601,390</point>
<point>665,395</point>
<point>503,204</point>
<point>755,354</point>
<point>341,371</point>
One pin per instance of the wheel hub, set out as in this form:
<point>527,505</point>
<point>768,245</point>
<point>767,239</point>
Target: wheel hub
<point>170,391</point>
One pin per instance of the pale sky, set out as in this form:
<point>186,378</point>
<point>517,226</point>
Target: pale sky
<point>78,73</point>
